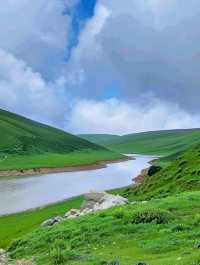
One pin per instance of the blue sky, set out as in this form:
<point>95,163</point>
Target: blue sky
<point>103,66</point>
<point>81,12</point>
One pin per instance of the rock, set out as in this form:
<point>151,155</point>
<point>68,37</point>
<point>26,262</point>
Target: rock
<point>50,222</point>
<point>71,216</point>
<point>73,212</point>
<point>133,202</point>
<point>108,201</point>
<point>57,219</point>
<point>86,210</point>
<point>2,251</point>
<point>91,198</point>
<point>143,201</point>
<point>186,252</point>
<point>140,263</point>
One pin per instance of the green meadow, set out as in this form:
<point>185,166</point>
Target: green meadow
<point>182,174</point>
<point>28,144</point>
<point>164,231</point>
<point>99,138</point>
<point>57,160</point>
<point>154,143</point>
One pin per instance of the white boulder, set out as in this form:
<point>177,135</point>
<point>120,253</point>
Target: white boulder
<point>108,201</point>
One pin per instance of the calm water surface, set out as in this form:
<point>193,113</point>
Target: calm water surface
<point>22,193</point>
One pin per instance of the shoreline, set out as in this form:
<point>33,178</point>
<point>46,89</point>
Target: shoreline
<point>46,170</point>
<point>141,177</point>
<point>138,180</point>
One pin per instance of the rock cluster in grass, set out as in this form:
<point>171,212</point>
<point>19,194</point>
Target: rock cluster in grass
<point>94,201</point>
<point>52,221</point>
<point>4,257</point>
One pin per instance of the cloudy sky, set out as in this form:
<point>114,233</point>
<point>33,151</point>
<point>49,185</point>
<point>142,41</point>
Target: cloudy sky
<point>102,66</point>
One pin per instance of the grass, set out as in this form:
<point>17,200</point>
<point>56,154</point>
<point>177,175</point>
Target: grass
<point>99,138</point>
<point>29,144</point>
<point>17,225</point>
<point>155,143</point>
<point>170,228</point>
<point>182,174</point>
<point>57,160</point>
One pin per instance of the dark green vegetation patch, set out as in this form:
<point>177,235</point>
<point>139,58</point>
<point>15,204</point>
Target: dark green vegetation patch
<point>153,170</point>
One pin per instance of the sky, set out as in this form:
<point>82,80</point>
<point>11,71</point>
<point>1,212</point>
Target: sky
<point>102,66</point>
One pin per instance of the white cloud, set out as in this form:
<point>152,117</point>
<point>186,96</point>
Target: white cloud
<point>88,47</point>
<point>24,90</point>
<point>37,32</point>
<point>119,117</point>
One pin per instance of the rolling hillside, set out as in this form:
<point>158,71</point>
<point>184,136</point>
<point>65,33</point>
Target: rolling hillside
<point>99,138</point>
<point>33,144</point>
<point>157,142</point>
<point>182,174</point>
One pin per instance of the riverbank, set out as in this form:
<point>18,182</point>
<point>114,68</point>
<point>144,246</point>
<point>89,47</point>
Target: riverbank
<point>45,170</point>
<point>137,180</point>
<point>141,177</point>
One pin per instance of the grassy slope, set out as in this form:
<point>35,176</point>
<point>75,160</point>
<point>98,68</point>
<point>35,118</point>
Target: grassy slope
<point>175,190</point>
<point>116,236</point>
<point>32,142</point>
<point>159,143</point>
<point>182,174</point>
<point>20,224</point>
<point>99,138</point>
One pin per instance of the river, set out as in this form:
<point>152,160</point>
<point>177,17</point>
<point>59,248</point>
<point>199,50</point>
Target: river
<point>18,194</point>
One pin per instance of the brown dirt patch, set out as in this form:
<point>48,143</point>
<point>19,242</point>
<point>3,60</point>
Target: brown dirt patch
<point>36,171</point>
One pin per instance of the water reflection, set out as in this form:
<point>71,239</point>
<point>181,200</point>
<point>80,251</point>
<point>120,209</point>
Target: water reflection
<point>21,193</point>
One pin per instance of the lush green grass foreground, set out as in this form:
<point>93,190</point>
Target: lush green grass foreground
<point>158,232</point>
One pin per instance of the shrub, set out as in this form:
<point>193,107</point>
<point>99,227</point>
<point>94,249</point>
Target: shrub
<point>178,228</point>
<point>147,216</point>
<point>153,170</point>
<point>113,262</point>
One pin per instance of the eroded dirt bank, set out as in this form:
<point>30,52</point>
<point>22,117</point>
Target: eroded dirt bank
<point>36,171</point>
<point>141,177</point>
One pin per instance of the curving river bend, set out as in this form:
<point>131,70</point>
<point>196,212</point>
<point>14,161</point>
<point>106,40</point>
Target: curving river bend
<point>18,194</point>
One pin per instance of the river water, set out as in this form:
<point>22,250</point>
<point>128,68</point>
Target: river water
<point>18,194</point>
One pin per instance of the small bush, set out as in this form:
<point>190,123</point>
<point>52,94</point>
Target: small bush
<point>114,262</point>
<point>147,216</point>
<point>153,170</point>
<point>178,228</point>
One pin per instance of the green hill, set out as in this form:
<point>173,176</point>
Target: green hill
<point>26,144</point>
<point>164,230</point>
<point>155,143</point>
<point>161,232</point>
<point>182,174</point>
<point>99,138</point>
